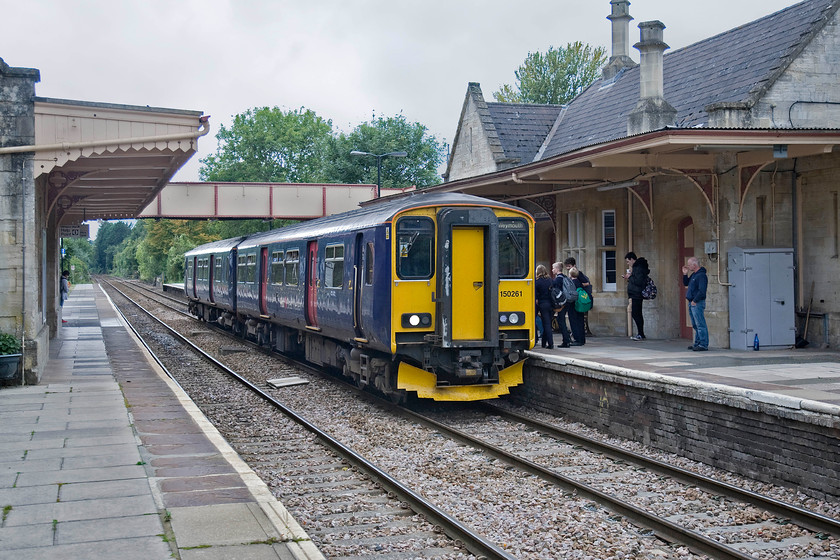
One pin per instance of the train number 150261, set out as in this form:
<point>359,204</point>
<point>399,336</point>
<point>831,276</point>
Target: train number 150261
<point>511,293</point>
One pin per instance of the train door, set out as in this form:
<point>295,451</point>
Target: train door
<point>469,274</point>
<point>312,284</point>
<point>211,287</point>
<point>194,273</point>
<point>263,279</point>
<point>359,266</point>
<point>467,283</point>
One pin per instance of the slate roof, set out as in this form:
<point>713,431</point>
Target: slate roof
<point>522,127</point>
<point>735,66</point>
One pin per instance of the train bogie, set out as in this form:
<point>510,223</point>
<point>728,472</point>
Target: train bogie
<point>430,294</point>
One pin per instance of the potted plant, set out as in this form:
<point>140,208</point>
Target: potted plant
<point>9,355</point>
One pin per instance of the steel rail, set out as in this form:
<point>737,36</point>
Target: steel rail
<point>663,528</point>
<point>804,518</point>
<point>458,531</point>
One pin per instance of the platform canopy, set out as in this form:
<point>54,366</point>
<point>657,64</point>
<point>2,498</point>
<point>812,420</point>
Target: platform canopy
<point>107,161</point>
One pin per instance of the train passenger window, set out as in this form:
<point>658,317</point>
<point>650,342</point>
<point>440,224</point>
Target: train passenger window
<point>369,264</point>
<point>252,268</point>
<point>334,266</point>
<point>415,247</point>
<point>513,248</point>
<point>219,275</point>
<point>241,268</point>
<point>277,266</point>
<point>291,265</point>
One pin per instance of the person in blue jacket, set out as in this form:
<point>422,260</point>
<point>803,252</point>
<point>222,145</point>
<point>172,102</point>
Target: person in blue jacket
<point>694,276</point>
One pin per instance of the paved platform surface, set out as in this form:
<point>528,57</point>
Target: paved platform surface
<point>107,458</point>
<point>796,378</point>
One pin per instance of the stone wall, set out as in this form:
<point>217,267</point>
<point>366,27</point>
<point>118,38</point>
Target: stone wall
<point>18,215</point>
<point>762,440</point>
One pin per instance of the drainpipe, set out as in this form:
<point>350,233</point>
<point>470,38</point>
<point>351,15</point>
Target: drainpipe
<point>23,274</point>
<point>203,129</point>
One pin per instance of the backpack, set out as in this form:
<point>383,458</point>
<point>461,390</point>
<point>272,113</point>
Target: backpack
<point>649,291</point>
<point>557,298</point>
<point>584,301</point>
<point>567,294</point>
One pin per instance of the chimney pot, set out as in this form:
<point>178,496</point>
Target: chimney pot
<point>620,56</point>
<point>652,111</point>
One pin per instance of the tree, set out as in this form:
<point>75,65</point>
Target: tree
<point>381,136</point>
<point>108,238</point>
<point>268,144</point>
<point>555,77</point>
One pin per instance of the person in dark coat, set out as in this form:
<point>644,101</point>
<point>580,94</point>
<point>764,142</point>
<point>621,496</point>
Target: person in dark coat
<point>557,269</point>
<point>694,276</point>
<point>636,276</point>
<point>577,320</point>
<point>542,289</point>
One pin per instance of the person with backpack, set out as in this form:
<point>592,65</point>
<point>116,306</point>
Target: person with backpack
<point>582,281</point>
<point>576,311</point>
<point>545,304</point>
<point>637,277</point>
<point>562,284</point>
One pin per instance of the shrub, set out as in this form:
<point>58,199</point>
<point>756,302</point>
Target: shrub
<point>9,344</point>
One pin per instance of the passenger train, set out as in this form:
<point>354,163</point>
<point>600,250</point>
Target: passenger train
<point>430,294</point>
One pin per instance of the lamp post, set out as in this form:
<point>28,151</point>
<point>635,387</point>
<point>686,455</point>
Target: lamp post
<point>378,165</point>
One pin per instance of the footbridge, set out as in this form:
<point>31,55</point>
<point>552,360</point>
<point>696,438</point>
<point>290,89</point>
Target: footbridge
<point>220,200</point>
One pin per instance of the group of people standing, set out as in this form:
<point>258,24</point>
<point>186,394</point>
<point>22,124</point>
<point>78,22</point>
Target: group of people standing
<point>637,277</point>
<point>575,333</point>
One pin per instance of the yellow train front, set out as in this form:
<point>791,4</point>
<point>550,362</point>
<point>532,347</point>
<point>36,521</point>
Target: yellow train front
<point>461,298</point>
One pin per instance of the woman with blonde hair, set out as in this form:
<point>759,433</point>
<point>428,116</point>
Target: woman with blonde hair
<point>542,288</point>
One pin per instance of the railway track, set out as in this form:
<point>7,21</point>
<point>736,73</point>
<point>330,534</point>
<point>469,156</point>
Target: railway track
<point>351,507</point>
<point>688,512</point>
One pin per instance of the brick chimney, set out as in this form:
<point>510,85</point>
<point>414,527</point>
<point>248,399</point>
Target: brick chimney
<point>620,58</point>
<point>652,112</point>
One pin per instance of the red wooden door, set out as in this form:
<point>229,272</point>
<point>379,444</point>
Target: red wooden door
<point>685,234</point>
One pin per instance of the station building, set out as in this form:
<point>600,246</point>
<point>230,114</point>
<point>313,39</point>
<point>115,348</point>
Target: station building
<point>726,150</point>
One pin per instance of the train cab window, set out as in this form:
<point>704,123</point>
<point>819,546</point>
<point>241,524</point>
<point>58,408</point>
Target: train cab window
<point>334,266</point>
<point>415,248</point>
<point>291,266</point>
<point>369,264</point>
<point>513,248</point>
<point>277,267</point>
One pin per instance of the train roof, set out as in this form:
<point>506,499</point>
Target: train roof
<point>369,216</point>
<point>215,246</point>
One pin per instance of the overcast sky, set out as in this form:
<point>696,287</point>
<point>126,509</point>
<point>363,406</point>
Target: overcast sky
<point>344,59</point>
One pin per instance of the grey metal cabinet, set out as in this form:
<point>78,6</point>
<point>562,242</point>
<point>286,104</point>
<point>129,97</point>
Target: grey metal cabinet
<point>761,298</point>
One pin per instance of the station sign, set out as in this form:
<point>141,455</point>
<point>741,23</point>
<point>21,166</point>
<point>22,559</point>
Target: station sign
<point>82,230</point>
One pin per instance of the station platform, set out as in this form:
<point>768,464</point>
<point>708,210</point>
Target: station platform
<point>108,458</point>
<point>799,378</point>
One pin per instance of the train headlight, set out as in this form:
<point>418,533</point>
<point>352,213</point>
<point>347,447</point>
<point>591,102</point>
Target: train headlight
<point>513,318</point>
<point>416,320</point>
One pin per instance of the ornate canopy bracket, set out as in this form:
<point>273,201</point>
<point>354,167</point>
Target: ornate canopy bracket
<point>644,193</point>
<point>548,204</point>
<point>704,181</point>
<point>57,184</point>
<point>746,177</point>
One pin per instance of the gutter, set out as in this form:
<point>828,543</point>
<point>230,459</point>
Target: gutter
<point>203,129</point>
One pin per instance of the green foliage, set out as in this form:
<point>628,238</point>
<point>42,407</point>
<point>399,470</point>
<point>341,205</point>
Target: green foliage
<point>9,344</point>
<point>108,239</point>
<point>268,144</point>
<point>382,136</point>
<point>78,258</point>
<point>554,77</point>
